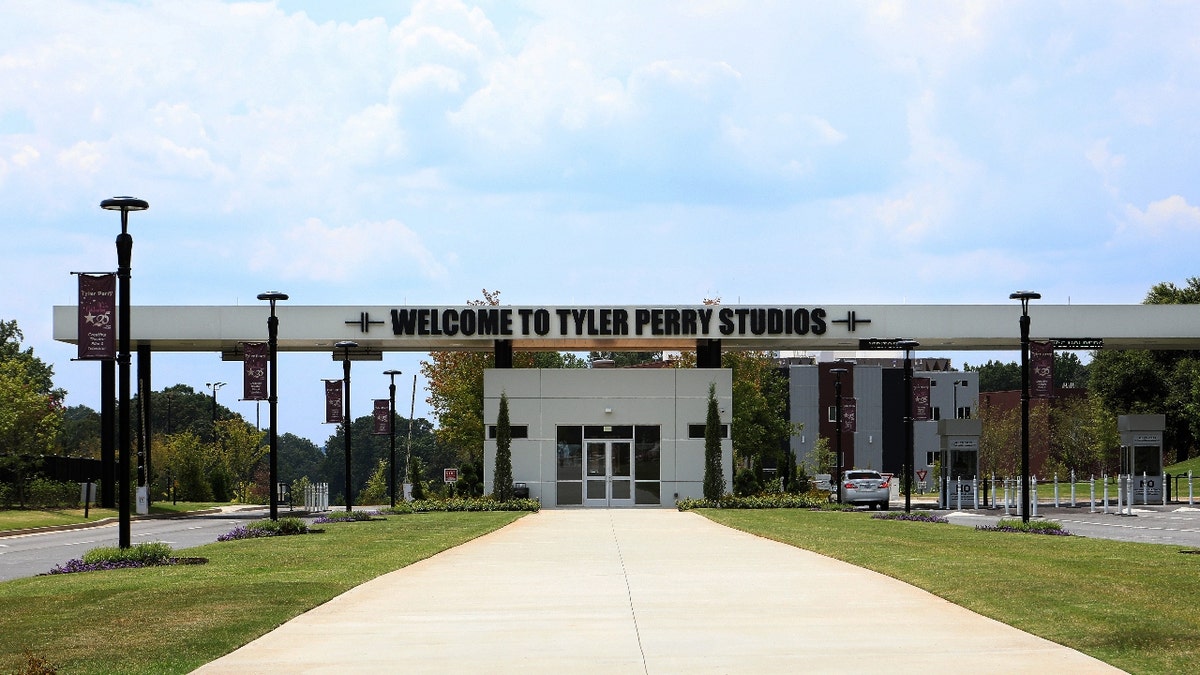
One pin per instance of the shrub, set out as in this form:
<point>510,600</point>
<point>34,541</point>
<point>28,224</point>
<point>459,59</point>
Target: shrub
<point>266,528</point>
<point>776,500</point>
<point>52,494</point>
<point>1032,527</point>
<point>913,517</point>
<point>474,504</point>
<point>145,553</point>
<point>347,516</point>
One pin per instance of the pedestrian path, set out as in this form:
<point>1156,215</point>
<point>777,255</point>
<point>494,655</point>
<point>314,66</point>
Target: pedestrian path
<point>641,591</point>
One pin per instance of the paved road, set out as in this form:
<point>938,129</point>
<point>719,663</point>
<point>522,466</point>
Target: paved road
<point>1174,524</point>
<point>27,555</point>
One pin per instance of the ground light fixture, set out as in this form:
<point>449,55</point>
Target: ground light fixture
<point>908,345</point>
<point>346,346</point>
<point>272,397</point>
<point>1024,297</point>
<point>124,258</point>
<point>392,432</point>
<point>837,408</point>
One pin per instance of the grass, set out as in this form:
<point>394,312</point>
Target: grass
<point>20,519</point>
<point>173,619</point>
<point>1131,605</point>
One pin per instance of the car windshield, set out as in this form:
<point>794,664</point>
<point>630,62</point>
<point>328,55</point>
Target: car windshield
<point>859,475</point>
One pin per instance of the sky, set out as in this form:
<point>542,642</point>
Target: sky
<point>608,152</point>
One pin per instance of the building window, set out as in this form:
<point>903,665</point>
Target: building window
<point>514,430</point>
<point>937,413</point>
<point>569,462</point>
<point>832,417</point>
<point>697,431</point>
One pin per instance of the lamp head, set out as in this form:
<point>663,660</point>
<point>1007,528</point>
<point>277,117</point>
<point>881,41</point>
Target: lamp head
<point>124,204</point>
<point>1025,296</point>
<point>272,296</point>
<point>393,373</point>
<point>907,344</point>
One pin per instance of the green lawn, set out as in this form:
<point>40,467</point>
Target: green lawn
<point>20,519</point>
<point>1135,606</point>
<point>173,619</point>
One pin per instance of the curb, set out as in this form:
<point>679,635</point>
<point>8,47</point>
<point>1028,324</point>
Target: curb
<point>102,522</point>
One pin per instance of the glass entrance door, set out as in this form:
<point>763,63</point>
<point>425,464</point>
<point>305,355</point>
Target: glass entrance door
<point>608,479</point>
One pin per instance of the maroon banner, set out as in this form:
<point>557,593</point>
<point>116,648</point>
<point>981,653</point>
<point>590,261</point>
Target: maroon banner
<point>920,398</point>
<point>383,417</point>
<point>849,414</point>
<point>254,371</point>
<point>333,401</point>
<point>1041,369</point>
<point>97,317</point>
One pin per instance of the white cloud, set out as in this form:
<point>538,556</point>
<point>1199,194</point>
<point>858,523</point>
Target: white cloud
<point>1162,217</point>
<point>314,251</point>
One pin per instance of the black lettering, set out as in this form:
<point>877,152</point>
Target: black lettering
<point>741,315</point>
<point>606,324</point>
<point>620,322</point>
<point>818,319</point>
<point>450,322</point>
<point>774,321</point>
<point>687,321</point>
<point>422,322</point>
<point>467,322</point>
<point>563,315</point>
<point>656,322</point>
<point>404,322</point>
<point>541,322</point>
<point>434,327</point>
<point>758,321</point>
<point>671,319</point>
<point>580,315</point>
<point>592,329</point>
<point>506,319</point>
<point>525,314</point>
<point>641,317</point>
<point>726,318</point>
<point>800,324</point>
<point>489,321</point>
<point>705,317</point>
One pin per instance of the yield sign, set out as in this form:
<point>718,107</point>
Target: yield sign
<point>921,473</point>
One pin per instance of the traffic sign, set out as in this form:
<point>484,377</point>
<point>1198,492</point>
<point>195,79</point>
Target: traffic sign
<point>450,475</point>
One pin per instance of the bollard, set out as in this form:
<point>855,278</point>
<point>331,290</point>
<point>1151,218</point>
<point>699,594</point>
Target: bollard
<point>1072,488</point>
<point>1189,488</point>
<point>975,492</point>
<point>1145,489</point>
<point>1006,496</point>
<point>1056,490</point>
<point>994,493</point>
<point>1092,493</point>
<point>1033,500</point>
<point>1104,482</point>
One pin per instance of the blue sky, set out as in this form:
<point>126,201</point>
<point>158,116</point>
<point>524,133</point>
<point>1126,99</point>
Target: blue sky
<point>382,153</point>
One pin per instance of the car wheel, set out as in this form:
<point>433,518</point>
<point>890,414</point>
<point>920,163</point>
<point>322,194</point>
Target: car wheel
<point>884,505</point>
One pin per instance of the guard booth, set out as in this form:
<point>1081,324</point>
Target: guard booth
<point>959,460</point>
<point>1141,456</point>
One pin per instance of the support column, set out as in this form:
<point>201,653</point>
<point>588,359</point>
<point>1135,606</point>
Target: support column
<point>708,353</point>
<point>504,353</point>
<point>108,434</point>
<point>145,477</point>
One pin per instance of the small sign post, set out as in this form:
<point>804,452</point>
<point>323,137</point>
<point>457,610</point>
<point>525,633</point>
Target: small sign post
<point>450,475</point>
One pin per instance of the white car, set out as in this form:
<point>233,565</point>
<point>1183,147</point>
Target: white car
<point>864,486</point>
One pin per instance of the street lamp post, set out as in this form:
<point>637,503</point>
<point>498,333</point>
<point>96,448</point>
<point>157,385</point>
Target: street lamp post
<point>272,396</point>
<point>214,386</point>
<point>837,407</point>
<point>909,459</point>
<point>124,257</point>
<point>1024,297</point>
<point>392,430</point>
<point>346,346</point>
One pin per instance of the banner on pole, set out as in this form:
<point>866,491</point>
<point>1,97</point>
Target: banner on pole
<point>383,417</point>
<point>254,371</point>
<point>849,414</point>
<point>97,317</point>
<point>1041,369</point>
<point>920,399</point>
<point>333,401</point>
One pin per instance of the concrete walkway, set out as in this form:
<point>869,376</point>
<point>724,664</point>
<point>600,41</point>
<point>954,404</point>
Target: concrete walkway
<point>641,591</point>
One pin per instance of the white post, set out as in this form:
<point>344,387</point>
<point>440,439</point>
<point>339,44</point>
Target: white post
<point>1092,494</point>
<point>975,492</point>
<point>958,492</point>
<point>1006,496</point>
<point>994,493</point>
<point>1104,482</point>
<point>1033,497</point>
<point>1072,487</point>
<point>1056,490</point>
<point>1189,488</point>
<point>1145,489</point>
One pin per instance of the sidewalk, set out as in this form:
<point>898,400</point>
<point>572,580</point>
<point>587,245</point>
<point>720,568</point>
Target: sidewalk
<point>640,591</point>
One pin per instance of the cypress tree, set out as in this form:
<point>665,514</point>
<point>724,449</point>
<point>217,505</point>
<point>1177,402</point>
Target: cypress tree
<point>502,488</point>
<point>714,479</point>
